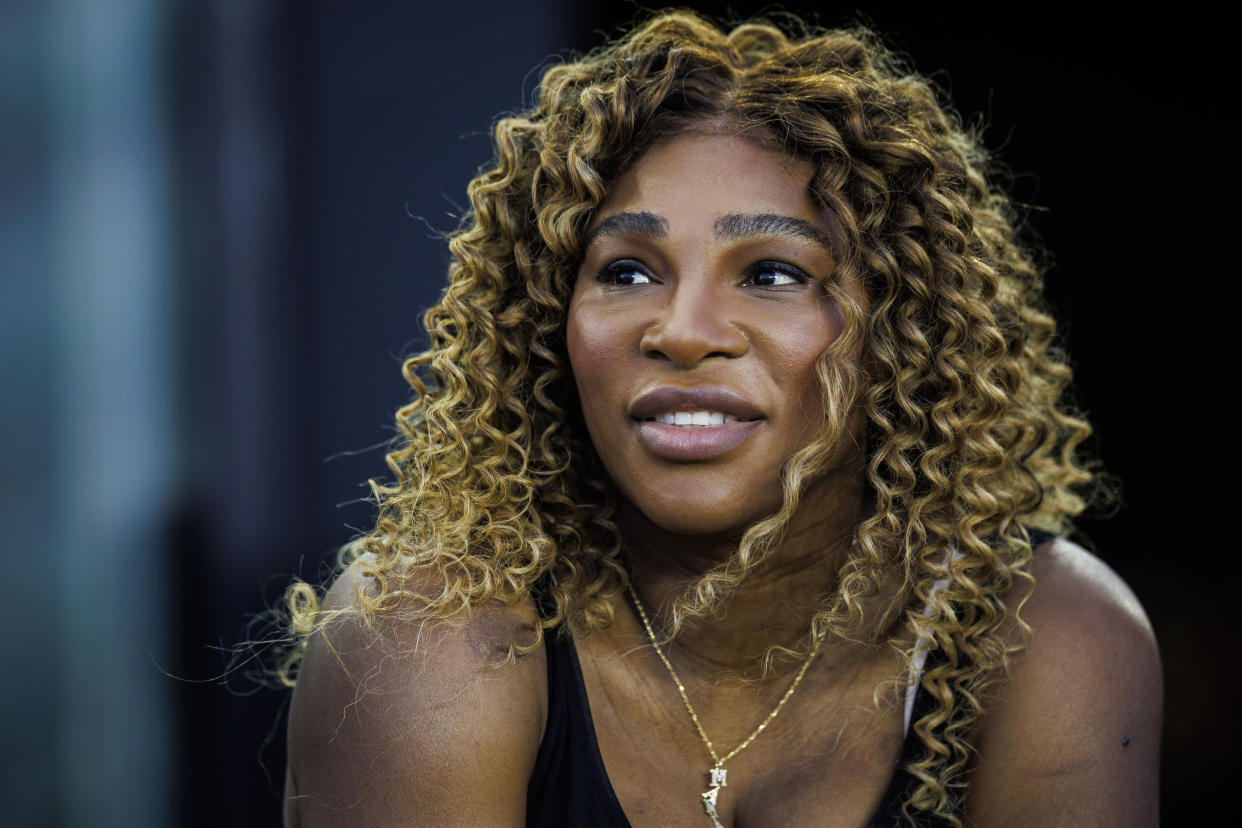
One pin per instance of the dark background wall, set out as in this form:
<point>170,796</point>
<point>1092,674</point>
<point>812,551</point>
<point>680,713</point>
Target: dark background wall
<point>219,226</point>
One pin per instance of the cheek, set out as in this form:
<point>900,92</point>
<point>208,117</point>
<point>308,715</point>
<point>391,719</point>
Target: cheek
<point>580,346</point>
<point>807,335</point>
<point>803,340</point>
<point>594,355</point>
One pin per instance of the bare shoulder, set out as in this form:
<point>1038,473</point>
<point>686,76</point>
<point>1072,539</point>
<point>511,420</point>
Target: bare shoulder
<point>1073,736</point>
<point>407,722</point>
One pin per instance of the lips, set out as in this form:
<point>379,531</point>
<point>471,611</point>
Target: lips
<point>694,424</point>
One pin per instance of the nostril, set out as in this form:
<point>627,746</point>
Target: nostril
<point>687,344</point>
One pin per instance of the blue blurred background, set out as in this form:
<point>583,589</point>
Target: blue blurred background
<point>220,223</point>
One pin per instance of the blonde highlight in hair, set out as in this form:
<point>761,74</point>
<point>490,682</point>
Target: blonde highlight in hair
<point>496,491</point>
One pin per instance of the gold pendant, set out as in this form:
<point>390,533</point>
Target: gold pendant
<point>709,796</point>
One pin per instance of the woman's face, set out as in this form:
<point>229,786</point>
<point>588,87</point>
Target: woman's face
<point>695,324</point>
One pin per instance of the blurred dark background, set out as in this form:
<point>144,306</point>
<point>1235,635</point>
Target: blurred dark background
<point>219,226</point>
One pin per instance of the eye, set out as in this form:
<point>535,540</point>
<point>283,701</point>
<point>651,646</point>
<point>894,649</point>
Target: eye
<point>775,274</point>
<point>624,273</point>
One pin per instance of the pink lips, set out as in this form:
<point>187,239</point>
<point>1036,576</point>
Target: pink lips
<point>693,444</point>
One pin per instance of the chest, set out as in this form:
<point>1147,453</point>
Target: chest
<point>826,758</point>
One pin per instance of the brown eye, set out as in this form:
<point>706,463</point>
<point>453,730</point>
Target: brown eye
<point>775,274</point>
<point>624,273</point>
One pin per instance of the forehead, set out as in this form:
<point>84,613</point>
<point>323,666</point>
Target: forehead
<point>695,177</point>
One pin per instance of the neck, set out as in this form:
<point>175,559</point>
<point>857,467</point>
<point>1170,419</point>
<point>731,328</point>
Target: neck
<point>777,598</point>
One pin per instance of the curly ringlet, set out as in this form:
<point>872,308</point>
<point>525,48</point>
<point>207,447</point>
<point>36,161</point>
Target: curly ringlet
<point>497,490</point>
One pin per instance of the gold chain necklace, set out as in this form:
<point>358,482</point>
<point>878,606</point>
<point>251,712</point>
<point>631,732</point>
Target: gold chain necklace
<point>717,771</point>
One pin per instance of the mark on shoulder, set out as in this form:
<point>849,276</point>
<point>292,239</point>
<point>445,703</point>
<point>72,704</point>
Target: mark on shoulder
<point>1088,682</point>
<point>1072,737</point>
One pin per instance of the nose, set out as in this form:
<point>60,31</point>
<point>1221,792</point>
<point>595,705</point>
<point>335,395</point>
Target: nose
<point>694,325</point>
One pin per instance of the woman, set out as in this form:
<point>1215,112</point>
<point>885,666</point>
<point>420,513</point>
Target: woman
<point>730,490</point>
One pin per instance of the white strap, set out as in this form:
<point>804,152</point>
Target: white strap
<point>921,648</point>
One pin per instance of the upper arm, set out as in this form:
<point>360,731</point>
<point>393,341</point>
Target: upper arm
<point>411,723</point>
<point>1073,736</point>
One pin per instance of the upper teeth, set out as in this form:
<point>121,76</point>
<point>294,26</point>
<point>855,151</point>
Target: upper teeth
<point>695,418</point>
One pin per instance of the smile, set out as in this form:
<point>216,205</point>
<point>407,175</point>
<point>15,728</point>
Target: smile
<point>688,425</point>
<point>694,419</point>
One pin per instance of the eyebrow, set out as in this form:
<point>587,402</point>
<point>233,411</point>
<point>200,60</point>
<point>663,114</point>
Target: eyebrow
<point>732,227</point>
<point>737,226</point>
<point>630,224</point>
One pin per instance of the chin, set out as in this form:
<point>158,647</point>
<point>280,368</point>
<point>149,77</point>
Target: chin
<point>706,520</point>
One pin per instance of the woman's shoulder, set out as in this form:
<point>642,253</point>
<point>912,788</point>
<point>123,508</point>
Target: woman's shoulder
<point>400,719</point>
<point>1074,732</point>
<point>1076,604</point>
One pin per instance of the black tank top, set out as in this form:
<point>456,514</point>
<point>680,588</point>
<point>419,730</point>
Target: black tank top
<point>570,787</point>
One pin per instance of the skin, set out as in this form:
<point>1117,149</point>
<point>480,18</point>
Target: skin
<point>414,723</point>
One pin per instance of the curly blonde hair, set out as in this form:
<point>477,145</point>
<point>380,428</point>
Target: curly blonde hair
<point>498,493</point>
